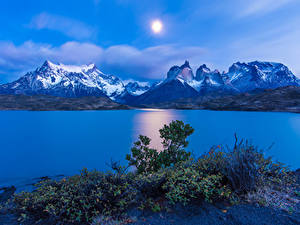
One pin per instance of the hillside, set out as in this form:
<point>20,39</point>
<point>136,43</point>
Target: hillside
<point>51,103</point>
<point>283,99</point>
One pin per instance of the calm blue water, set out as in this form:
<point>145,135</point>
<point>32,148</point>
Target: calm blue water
<point>36,144</point>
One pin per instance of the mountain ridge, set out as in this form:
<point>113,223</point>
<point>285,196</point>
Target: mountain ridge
<point>181,82</point>
<point>69,81</point>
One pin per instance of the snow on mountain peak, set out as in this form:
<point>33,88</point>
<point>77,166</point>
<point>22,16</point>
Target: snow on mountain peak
<point>69,68</point>
<point>136,87</point>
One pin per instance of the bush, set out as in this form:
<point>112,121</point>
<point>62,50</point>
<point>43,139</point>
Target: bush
<point>185,184</point>
<point>149,160</point>
<point>244,167</point>
<point>79,198</point>
<point>144,158</point>
<point>174,142</point>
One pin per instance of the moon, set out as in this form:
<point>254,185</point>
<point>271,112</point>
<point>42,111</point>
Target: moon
<point>156,26</point>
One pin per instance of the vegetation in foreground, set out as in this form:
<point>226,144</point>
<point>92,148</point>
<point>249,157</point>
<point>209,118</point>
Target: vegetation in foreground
<point>161,180</point>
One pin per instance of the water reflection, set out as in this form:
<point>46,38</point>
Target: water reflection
<point>148,122</point>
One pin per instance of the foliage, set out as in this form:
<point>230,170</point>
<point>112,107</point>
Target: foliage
<point>186,184</point>
<point>79,198</point>
<point>144,158</point>
<point>149,160</point>
<point>245,167</point>
<point>174,142</point>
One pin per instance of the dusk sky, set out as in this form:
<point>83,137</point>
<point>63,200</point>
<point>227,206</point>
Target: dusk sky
<point>117,34</point>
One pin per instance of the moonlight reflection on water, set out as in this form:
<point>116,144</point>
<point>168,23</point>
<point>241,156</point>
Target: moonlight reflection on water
<point>148,122</point>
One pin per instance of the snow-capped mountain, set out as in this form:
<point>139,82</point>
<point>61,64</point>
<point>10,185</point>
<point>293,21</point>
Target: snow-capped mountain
<point>177,85</point>
<point>241,77</point>
<point>88,80</point>
<point>136,88</point>
<point>70,81</point>
<point>207,77</point>
<point>260,75</point>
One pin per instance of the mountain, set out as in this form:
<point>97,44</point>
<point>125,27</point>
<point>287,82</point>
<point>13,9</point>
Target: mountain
<point>260,75</point>
<point>212,83</point>
<point>71,81</point>
<point>180,83</point>
<point>175,86</point>
<point>241,77</point>
<point>136,88</point>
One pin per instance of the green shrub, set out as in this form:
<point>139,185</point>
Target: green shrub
<point>144,158</point>
<point>174,139</point>
<point>185,184</point>
<point>149,160</point>
<point>79,198</point>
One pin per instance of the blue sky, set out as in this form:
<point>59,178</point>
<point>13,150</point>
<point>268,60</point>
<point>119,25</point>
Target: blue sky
<point>117,36</point>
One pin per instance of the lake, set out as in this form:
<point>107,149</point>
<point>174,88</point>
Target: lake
<point>35,144</point>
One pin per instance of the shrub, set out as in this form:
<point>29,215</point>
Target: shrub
<point>79,198</point>
<point>186,184</point>
<point>174,142</point>
<point>144,158</point>
<point>247,168</point>
<point>149,160</point>
<point>244,167</point>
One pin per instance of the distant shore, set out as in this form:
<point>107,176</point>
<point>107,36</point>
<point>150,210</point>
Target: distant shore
<point>285,99</point>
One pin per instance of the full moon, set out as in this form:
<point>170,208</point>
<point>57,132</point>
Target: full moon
<point>157,26</point>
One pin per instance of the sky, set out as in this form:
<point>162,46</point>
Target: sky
<point>116,35</point>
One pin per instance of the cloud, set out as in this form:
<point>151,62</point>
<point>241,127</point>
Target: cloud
<point>69,27</point>
<point>122,60</point>
<point>260,7</point>
<point>279,44</point>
